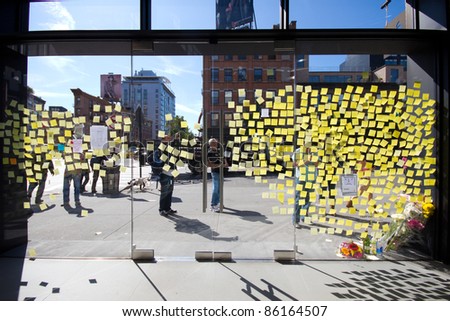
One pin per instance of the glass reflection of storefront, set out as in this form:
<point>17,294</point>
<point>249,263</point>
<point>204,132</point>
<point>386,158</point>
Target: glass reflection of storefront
<point>372,124</point>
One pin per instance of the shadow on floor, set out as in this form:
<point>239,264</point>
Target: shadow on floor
<point>12,268</point>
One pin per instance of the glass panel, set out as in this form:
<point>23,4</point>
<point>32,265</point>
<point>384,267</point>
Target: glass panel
<point>175,165</point>
<point>210,14</point>
<point>253,223</point>
<point>76,122</point>
<point>330,14</point>
<point>356,128</point>
<point>84,15</point>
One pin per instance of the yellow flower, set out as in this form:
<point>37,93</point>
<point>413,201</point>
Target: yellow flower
<point>427,209</point>
<point>345,251</point>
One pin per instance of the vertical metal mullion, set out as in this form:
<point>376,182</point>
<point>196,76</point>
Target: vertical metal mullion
<point>131,195</point>
<point>284,14</point>
<point>146,14</point>
<point>204,160</point>
<point>221,123</point>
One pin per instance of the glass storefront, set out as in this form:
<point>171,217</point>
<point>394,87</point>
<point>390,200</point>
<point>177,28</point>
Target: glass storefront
<point>315,158</point>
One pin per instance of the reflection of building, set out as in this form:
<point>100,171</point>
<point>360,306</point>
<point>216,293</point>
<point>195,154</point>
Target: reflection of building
<point>361,63</point>
<point>234,14</point>
<point>153,94</point>
<point>394,69</point>
<point>365,68</point>
<point>369,68</point>
<point>33,101</point>
<point>57,108</point>
<point>84,106</point>
<point>224,76</point>
<point>111,87</point>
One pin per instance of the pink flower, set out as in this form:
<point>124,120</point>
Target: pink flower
<point>415,224</point>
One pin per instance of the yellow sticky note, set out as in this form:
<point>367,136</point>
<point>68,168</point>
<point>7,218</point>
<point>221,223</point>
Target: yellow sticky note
<point>280,197</point>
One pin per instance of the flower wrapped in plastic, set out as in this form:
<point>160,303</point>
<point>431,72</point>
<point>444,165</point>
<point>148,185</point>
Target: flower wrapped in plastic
<point>408,225</point>
<point>351,249</point>
<point>427,210</point>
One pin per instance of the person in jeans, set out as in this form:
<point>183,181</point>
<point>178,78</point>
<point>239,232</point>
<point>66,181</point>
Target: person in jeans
<point>215,161</point>
<point>166,181</point>
<point>72,173</point>
<point>305,163</point>
<point>84,175</point>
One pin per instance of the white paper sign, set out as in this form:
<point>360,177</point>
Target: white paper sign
<point>99,137</point>
<point>349,185</point>
<point>77,145</point>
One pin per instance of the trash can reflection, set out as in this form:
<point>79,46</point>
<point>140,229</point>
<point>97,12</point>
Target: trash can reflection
<point>111,180</point>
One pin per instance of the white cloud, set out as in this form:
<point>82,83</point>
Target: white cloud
<point>175,68</point>
<point>64,65</point>
<point>53,94</point>
<point>59,63</point>
<point>63,20</point>
<point>184,109</point>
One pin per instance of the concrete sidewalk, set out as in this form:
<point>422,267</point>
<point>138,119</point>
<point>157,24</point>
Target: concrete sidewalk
<point>126,280</point>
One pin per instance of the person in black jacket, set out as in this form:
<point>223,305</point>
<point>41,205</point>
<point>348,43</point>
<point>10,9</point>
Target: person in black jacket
<point>96,169</point>
<point>167,181</point>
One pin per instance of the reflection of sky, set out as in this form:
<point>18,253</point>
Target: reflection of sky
<point>53,77</point>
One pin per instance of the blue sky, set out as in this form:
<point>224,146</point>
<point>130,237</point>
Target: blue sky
<point>53,77</point>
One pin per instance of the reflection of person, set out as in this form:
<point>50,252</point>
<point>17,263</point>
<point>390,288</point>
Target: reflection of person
<point>109,88</point>
<point>84,176</point>
<point>215,162</point>
<point>305,163</point>
<point>364,175</point>
<point>72,174</point>
<point>42,167</point>
<point>96,170</point>
<point>329,182</point>
<point>166,180</point>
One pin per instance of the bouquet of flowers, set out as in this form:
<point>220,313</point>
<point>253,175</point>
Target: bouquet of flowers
<point>351,249</point>
<point>407,226</point>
